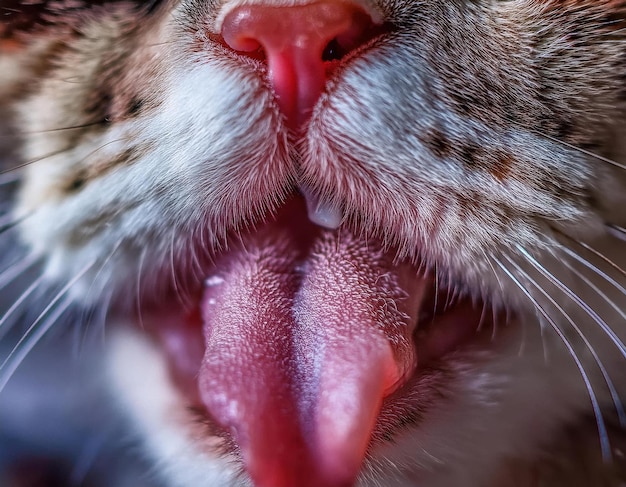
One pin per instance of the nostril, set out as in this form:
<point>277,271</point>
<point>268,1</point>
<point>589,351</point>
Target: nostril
<point>298,42</point>
<point>333,51</point>
<point>249,48</point>
<point>362,30</point>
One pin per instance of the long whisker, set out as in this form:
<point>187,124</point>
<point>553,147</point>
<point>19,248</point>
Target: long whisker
<point>597,271</point>
<point>30,339</point>
<point>614,395</point>
<point>178,286</point>
<point>33,161</point>
<point>173,269</point>
<point>34,333</point>
<point>436,297</point>
<point>593,251</point>
<point>596,289</point>
<point>86,318</point>
<point>605,445</point>
<point>48,131</point>
<point>590,311</point>
<point>494,314</point>
<point>142,258</point>
<point>56,153</point>
<point>104,311</point>
<point>13,271</point>
<point>196,267</point>
<point>52,130</point>
<point>581,150</point>
<point>18,302</point>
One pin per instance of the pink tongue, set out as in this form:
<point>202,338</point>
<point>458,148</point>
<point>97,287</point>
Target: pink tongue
<point>299,356</point>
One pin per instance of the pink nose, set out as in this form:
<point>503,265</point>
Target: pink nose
<point>301,44</point>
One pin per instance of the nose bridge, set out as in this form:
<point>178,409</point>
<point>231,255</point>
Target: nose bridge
<point>302,28</point>
<point>227,6</point>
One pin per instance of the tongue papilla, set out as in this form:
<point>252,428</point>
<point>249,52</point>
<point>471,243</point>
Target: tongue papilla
<point>302,349</point>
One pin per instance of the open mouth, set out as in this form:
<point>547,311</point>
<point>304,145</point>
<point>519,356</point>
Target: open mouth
<point>302,335</point>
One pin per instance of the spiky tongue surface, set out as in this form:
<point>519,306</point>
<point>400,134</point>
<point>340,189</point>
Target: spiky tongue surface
<point>301,348</point>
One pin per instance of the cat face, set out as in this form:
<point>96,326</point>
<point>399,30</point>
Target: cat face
<point>400,263</point>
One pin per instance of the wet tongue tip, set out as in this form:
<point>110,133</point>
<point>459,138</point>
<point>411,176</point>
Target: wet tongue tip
<point>272,474</point>
<point>348,409</point>
<point>286,444</point>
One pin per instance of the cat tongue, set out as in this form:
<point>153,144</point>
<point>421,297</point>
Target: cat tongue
<point>301,350</point>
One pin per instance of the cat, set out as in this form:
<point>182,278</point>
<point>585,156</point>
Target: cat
<point>331,243</point>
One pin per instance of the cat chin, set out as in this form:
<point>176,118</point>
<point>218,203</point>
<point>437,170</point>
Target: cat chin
<point>507,398</point>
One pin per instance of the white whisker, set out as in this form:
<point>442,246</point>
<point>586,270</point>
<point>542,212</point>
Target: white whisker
<point>598,271</point>
<point>104,311</point>
<point>436,297</point>
<point>598,291</point>
<point>196,267</point>
<point>142,257</point>
<point>10,363</point>
<point>18,302</point>
<point>86,320</point>
<point>602,431</point>
<point>594,252</point>
<point>12,272</point>
<point>581,303</point>
<point>29,340</point>
<point>173,270</point>
<point>614,394</point>
<point>104,264</point>
<point>494,313</point>
<point>483,317</point>
<point>583,151</point>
